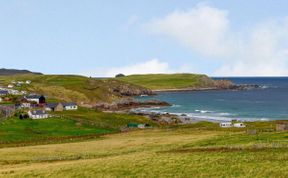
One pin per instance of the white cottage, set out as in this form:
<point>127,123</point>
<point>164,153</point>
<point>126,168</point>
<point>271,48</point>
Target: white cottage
<point>239,125</point>
<point>10,86</point>
<point>38,114</point>
<point>70,106</point>
<point>226,124</point>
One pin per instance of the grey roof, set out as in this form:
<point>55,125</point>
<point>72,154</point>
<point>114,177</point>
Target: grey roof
<point>4,92</point>
<point>34,96</point>
<point>38,112</point>
<point>69,104</point>
<point>51,105</point>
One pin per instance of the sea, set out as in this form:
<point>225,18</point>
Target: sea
<point>270,102</point>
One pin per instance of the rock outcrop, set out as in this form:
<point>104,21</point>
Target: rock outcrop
<point>228,85</point>
<point>128,103</point>
<point>127,89</point>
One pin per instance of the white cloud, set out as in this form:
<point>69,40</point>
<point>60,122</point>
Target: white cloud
<point>202,29</point>
<point>152,66</point>
<point>207,32</point>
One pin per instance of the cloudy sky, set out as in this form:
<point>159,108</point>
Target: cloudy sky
<point>106,37</point>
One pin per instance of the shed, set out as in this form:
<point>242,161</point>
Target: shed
<point>54,107</point>
<point>132,125</point>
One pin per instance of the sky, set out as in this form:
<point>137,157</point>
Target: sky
<point>102,38</point>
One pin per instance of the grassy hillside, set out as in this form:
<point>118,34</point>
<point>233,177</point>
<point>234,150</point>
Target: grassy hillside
<point>176,152</point>
<point>79,89</point>
<point>169,81</point>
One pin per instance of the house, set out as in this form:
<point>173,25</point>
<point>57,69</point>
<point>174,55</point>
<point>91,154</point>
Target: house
<point>239,125</point>
<point>4,92</point>
<point>14,92</point>
<point>226,124</point>
<point>70,106</point>
<point>282,126</point>
<point>38,114</point>
<point>39,99</point>
<point>23,105</point>
<point>10,86</point>
<point>54,107</point>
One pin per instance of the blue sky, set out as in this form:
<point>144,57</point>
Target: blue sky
<point>104,37</point>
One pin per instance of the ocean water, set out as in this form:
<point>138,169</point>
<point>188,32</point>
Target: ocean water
<point>268,103</point>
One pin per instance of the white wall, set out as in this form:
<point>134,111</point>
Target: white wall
<point>71,107</point>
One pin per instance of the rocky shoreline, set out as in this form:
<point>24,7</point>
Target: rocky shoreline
<point>168,118</point>
<point>128,103</point>
<point>133,106</point>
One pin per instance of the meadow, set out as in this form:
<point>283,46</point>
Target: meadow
<point>90,143</point>
<point>197,150</point>
<point>64,126</point>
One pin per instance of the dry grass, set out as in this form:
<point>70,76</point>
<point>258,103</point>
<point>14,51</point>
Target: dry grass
<point>149,153</point>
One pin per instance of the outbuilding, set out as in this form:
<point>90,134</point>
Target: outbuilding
<point>226,124</point>
<point>54,107</point>
<point>239,125</point>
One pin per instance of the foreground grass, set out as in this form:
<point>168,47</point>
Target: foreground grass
<point>173,152</point>
<point>169,81</point>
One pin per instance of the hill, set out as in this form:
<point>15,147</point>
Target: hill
<point>16,72</point>
<point>170,81</point>
<point>75,88</point>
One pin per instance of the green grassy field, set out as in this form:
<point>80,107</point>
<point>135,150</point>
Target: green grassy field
<point>190,151</point>
<point>65,126</point>
<point>169,81</point>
